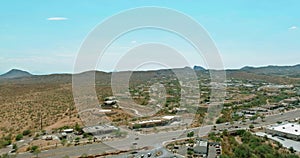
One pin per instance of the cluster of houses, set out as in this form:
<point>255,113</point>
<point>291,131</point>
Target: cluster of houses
<point>267,109</point>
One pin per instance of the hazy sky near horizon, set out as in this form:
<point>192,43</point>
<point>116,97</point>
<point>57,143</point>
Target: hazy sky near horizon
<point>45,36</point>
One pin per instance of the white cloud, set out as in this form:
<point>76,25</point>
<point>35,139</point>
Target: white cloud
<point>133,42</point>
<point>293,27</point>
<point>57,18</point>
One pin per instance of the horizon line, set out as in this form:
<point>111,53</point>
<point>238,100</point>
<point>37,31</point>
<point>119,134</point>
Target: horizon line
<point>158,69</point>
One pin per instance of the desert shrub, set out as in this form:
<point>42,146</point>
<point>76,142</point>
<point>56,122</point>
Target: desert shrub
<point>19,137</point>
<point>26,132</point>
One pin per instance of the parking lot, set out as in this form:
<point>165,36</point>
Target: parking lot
<point>214,150</point>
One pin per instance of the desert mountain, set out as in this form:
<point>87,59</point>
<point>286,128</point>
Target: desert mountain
<point>15,73</point>
<point>290,71</point>
<point>198,68</point>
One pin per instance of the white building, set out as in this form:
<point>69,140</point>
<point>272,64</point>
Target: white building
<point>154,122</point>
<point>288,130</point>
<point>201,148</point>
<point>100,130</point>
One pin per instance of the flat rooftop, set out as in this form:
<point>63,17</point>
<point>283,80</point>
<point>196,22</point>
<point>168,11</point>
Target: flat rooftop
<point>93,129</point>
<point>203,143</point>
<point>149,121</point>
<point>290,128</point>
<point>164,118</point>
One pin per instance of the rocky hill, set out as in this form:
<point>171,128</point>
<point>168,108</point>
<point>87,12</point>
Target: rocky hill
<point>289,71</point>
<point>15,73</point>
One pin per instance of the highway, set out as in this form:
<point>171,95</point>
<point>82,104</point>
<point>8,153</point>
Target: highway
<point>155,140</point>
<point>272,119</point>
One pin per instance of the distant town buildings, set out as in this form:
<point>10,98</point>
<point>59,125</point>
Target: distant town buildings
<point>274,88</point>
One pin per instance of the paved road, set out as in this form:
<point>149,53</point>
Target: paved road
<point>137,140</point>
<point>71,151</point>
<point>272,119</point>
<point>154,140</point>
<point>132,109</point>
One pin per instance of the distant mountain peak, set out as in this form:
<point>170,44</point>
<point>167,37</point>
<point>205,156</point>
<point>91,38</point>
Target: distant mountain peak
<point>247,68</point>
<point>15,73</point>
<point>198,68</point>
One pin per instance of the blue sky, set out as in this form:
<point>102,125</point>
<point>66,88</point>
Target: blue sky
<point>45,36</point>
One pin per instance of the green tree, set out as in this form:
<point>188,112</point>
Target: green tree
<point>6,140</point>
<point>7,156</point>
<point>190,152</point>
<point>251,126</point>
<point>190,134</point>
<point>26,132</point>
<point>262,150</point>
<point>19,137</point>
<point>136,126</point>
<point>253,118</point>
<point>77,127</point>
<point>85,135</point>
<point>35,150</point>
<point>292,150</point>
<point>224,156</point>
<point>212,136</point>
<point>90,138</point>
<point>15,147</point>
<point>63,142</point>
<point>262,118</point>
<point>225,132</point>
<point>242,151</point>
<point>77,139</point>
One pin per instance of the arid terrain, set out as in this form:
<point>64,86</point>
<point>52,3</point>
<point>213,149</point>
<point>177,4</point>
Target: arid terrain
<point>46,102</point>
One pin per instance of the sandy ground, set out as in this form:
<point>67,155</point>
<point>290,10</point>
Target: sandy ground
<point>64,122</point>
